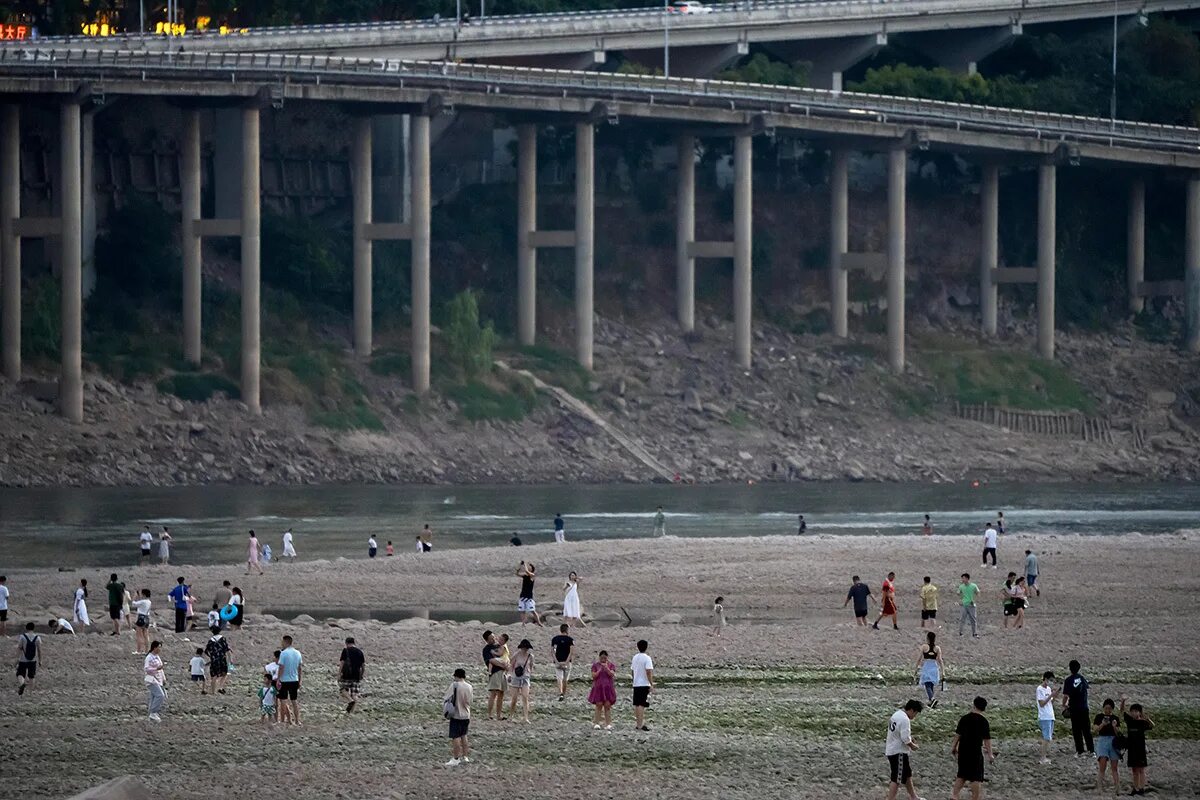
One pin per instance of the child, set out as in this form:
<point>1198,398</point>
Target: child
<point>1137,722</point>
<point>214,618</point>
<point>266,557</point>
<point>266,699</point>
<point>391,551</point>
<point>197,664</point>
<point>718,613</point>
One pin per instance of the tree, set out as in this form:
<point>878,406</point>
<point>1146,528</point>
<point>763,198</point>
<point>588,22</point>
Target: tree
<point>470,344</point>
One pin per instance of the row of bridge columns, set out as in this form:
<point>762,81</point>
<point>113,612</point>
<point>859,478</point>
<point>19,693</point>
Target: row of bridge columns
<point>70,224</point>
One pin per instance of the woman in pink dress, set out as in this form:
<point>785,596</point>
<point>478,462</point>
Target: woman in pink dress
<point>603,693</point>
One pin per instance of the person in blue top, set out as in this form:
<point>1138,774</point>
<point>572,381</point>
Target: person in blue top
<point>290,670</point>
<point>560,533</point>
<point>179,596</point>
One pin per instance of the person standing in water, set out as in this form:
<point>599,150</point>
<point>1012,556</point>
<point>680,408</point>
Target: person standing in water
<point>930,667</point>
<point>560,528</point>
<point>927,527</point>
<point>525,602</point>
<point>660,522</point>
<point>801,526</point>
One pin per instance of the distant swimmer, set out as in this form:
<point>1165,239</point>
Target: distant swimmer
<point>927,527</point>
<point>801,526</point>
<point>515,541</point>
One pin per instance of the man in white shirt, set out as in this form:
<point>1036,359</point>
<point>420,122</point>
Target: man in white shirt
<point>3,606</point>
<point>61,626</point>
<point>642,667</point>
<point>145,539</point>
<point>899,744</point>
<point>1045,710</point>
<point>289,547</point>
<point>989,544</point>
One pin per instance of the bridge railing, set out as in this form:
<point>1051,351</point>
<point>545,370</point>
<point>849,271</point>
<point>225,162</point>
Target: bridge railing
<point>606,86</point>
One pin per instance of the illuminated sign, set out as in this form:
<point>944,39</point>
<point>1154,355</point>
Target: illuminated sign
<point>97,29</point>
<point>15,33</point>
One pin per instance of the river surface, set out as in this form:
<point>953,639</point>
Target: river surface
<point>99,527</point>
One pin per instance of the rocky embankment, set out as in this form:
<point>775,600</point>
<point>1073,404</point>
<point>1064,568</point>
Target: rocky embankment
<point>812,408</point>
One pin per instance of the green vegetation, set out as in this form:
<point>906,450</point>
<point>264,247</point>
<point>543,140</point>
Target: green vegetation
<point>198,387</point>
<point>468,343</point>
<point>392,363</point>
<point>478,401</point>
<point>555,368</point>
<point>761,69</point>
<point>41,318</point>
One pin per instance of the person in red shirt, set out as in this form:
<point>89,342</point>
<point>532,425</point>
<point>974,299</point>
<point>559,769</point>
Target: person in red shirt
<point>889,602</point>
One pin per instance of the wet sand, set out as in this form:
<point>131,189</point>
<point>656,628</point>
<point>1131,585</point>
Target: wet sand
<point>792,701</point>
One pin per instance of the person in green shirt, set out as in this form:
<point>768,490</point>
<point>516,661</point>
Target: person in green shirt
<point>116,602</point>
<point>966,593</point>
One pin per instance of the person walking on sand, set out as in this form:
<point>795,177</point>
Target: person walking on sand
<point>3,606</point>
<point>930,668</point>
<point>899,744</point>
<point>642,668</point>
<point>218,650</point>
<point>860,593</point>
<point>718,613</point>
<point>196,670</point>
<point>145,540</point>
<point>164,546</point>
<point>1137,722</point>
<point>252,555</point>
<point>889,602</point>
<point>1106,729</point>
<point>116,599</point>
<point>562,648</point>
<point>966,595</point>
<point>1006,595</point>
<point>604,691</point>
<point>493,664</point>
<point>352,667</point>
<point>927,527</point>
<point>1031,572</point>
<point>141,624</point>
<point>80,608</point>
<point>238,601</point>
<point>179,596</point>
<point>990,539</point>
<point>29,655</point>
<point>155,678</point>
<point>289,545</point>
<point>660,522</point>
<point>1045,713</point>
<point>972,742</point>
<point>456,706</point>
<point>560,528</point>
<point>1075,708</point>
<point>268,710</point>
<point>291,665</point>
<point>572,612</point>
<point>223,595</point>
<point>525,602</point>
<point>929,597</point>
<point>1019,600</point>
<point>520,678</point>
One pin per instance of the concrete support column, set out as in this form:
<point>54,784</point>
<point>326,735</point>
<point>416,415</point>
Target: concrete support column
<point>1047,201</point>
<point>897,180</point>
<point>361,177</point>
<point>526,225</point>
<point>1191,269</point>
<point>10,244</point>
<point>989,259</point>
<point>189,184</point>
<point>1135,243</point>
<point>839,241</point>
<point>685,232</point>
<point>227,162</point>
<point>251,252</point>
<point>390,176</point>
<point>70,388</point>
<point>743,217</point>
<point>419,174</point>
<point>87,136</point>
<point>585,199</point>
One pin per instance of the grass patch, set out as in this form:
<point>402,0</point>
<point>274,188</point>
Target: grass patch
<point>973,376</point>
<point>512,400</point>
<point>391,363</point>
<point>860,349</point>
<point>556,368</point>
<point>912,401</point>
<point>737,419</point>
<point>357,417</point>
<point>198,387</point>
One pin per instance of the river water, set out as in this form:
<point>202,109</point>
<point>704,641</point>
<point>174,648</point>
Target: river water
<point>99,527</point>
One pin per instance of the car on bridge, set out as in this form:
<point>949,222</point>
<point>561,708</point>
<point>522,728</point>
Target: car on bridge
<point>689,7</point>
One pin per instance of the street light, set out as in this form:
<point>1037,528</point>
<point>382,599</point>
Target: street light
<point>1112,103</point>
<point>666,38</point>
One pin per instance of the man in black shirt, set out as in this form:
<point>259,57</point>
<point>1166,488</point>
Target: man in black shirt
<point>564,653</point>
<point>859,593</point>
<point>972,741</point>
<point>352,665</point>
<point>1075,706</point>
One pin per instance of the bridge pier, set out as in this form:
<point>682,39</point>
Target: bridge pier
<point>189,186</point>
<point>685,231</point>
<point>251,230</point>
<point>10,243</point>
<point>1135,243</point>
<point>839,240</point>
<point>87,160</point>
<point>897,186</point>
<point>1047,200</point>
<point>70,390</point>
<point>360,179</point>
<point>989,260</point>
<point>830,57</point>
<point>227,162</point>
<point>961,51</point>
<point>1191,272</point>
<point>742,231</point>
<point>585,135</point>
<point>419,172</point>
<point>526,225</point>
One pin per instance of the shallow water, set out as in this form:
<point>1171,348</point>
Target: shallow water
<point>99,527</point>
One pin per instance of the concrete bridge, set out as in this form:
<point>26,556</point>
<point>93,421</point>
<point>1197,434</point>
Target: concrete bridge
<point>833,35</point>
<point>78,81</point>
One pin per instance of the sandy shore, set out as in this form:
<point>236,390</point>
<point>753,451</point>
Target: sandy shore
<point>791,702</point>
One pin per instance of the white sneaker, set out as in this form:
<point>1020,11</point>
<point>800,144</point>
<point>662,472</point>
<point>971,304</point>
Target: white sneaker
<point>1044,761</point>
<point>155,718</point>
<point>466,759</point>
<point>596,727</point>
<point>454,762</point>
<point>608,727</point>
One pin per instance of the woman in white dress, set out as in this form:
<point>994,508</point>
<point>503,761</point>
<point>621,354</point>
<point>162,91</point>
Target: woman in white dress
<point>289,547</point>
<point>572,612</point>
<point>164,546</point>
<point>81,612</point>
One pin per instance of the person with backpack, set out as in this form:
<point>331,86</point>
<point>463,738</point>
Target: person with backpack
<point>29,647</point>
<point>456,707</point>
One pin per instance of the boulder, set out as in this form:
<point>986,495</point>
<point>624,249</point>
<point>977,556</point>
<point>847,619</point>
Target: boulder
<point>828,399</point>
<point>691,399</point>
<point>1161,397</point>
<point>303,619</point>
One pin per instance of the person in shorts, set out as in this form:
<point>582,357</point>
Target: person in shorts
<point>1106,727</point>
<point>929,595</point>
<point>860,593</point>
<point>898,745</point>
<point>563,649</point>
<point>642,667</point>
<point>116,602</point>
<point>196,666</point>
<point>889,603</point>
<point>352,666</point>
<point>1031,572</point>
<point>972,741</point>
<point>29,648</point>
<point>457,709</point>
<point>525,602</point>
<point>494,665</point>
<point>290,669</point>
<point>145,539</point>
<point>1045,713</point>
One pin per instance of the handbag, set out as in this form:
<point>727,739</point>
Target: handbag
<point>450,704</point>
<point>519,672</point>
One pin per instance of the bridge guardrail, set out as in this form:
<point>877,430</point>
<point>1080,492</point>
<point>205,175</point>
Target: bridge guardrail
<point>280,66</point>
